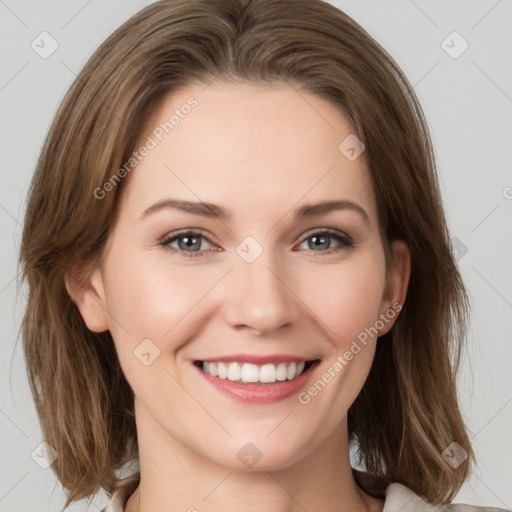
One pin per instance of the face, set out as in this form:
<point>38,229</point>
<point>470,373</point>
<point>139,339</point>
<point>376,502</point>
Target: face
<point>261,304</point>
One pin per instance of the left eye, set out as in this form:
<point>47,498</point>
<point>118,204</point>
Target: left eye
<point>321,240</point>
<point>189,243</point>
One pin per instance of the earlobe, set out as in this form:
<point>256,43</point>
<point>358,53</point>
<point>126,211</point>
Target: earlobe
<point>86,290</point>
<point>397,281</point>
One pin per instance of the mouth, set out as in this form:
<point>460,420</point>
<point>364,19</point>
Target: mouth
<point>251,373</point>
<point>255,379</point>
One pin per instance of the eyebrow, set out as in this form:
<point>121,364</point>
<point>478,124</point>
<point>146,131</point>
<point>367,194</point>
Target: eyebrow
<point>214,211</point>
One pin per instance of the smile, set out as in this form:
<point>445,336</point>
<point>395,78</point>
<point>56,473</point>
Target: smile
<point>254,379</point>
<point>253,373</point>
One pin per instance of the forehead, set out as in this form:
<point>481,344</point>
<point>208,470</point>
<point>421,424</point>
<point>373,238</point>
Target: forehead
<point>251,146</point>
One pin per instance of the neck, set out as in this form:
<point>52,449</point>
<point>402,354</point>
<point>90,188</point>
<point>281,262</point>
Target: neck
<point>174,477</point>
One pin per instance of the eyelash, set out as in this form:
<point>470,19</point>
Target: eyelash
<point>345,241</point>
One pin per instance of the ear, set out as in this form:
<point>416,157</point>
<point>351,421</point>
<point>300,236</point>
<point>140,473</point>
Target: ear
<point>85,287</point>
<point>397,281</point>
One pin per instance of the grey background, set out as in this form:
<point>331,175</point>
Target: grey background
<point>468,104</point>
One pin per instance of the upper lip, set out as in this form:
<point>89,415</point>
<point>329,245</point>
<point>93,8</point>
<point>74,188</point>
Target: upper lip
<point>257,359</point>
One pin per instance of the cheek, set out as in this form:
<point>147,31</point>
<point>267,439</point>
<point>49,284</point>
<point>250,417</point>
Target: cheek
<point>150,297</point>
<point>345,297</point>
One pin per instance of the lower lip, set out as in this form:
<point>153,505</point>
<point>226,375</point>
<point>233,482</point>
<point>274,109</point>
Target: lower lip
<point>259,393</point>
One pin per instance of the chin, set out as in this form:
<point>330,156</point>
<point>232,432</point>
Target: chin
<point>260,453</point>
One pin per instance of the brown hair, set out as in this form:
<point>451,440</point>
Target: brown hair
<point>407,412</point>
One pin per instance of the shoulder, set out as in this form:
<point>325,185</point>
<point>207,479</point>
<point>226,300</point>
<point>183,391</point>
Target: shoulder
<point>400,498</point>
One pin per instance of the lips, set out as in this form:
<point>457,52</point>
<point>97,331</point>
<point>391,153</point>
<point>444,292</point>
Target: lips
<point>257,379</point>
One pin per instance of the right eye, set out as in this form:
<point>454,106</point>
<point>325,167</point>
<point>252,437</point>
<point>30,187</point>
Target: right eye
<point>188,243</point>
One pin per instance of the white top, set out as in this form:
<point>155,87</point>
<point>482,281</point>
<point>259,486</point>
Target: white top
<point>398,498</point>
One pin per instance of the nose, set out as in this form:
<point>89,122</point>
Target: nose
<point>259,296</point>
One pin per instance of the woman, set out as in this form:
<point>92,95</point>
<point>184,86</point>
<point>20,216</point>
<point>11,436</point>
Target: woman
<point>239,269</point>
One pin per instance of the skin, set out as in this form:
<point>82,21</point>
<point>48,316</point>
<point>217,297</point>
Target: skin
<point>260,151</point>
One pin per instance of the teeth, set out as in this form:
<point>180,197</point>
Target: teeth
<point>250,373</point>
<point>281,372</point>
<point>268,373</point>
<point>291,371</point>
<point>212,370</point>
<point>234,371</point>
<point>222,370</point>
